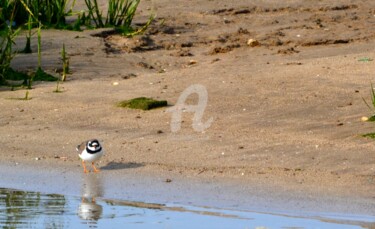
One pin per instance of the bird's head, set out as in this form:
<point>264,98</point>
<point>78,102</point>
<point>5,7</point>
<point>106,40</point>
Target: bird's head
<point>93,145</point>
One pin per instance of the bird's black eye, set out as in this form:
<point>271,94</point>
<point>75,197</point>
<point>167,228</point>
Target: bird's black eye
<point>96,143</point>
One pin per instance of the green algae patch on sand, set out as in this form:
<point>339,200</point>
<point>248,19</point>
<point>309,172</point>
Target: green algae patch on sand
<point>371,119</point>
<point>369,135</point>
<point>142,103</point>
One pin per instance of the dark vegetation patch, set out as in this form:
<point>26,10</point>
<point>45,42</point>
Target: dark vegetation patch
<point>142,103</point>
<point>369,135</point>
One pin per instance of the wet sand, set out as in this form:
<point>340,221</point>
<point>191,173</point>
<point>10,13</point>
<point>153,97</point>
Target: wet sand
<point>286,114</point>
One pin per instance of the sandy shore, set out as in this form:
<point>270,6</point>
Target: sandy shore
<point>286,113</point>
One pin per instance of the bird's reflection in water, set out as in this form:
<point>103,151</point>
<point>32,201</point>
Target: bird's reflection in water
<point>92,188</point>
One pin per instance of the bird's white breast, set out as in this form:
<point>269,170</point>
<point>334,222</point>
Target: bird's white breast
<point>90,157</point>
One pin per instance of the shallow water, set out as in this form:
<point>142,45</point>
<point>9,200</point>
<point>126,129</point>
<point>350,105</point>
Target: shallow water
<point>23,209</point>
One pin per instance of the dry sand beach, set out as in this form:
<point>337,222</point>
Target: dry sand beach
<point>286,113</point>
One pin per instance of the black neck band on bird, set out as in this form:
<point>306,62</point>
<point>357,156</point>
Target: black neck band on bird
<point>93,151</point>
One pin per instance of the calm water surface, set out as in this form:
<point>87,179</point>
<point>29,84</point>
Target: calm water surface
<point>23,209</point>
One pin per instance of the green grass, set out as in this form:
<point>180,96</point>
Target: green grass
<point>27,48</point>
<point>28,14</point>
<point>41,75</point>
<point>65,63</point>
<point>7,39</point>
<point>27,97</point>
<point>57,89</point>
<point>371,106</point>
<point>120,15</point>
<point>142,103</point>
<point>6,56</point>
<point>51,13</point>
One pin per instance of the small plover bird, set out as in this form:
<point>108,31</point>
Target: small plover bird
<point>90,151</point>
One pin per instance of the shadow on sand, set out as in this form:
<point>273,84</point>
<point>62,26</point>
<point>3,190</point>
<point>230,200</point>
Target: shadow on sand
<point>119,165</point>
